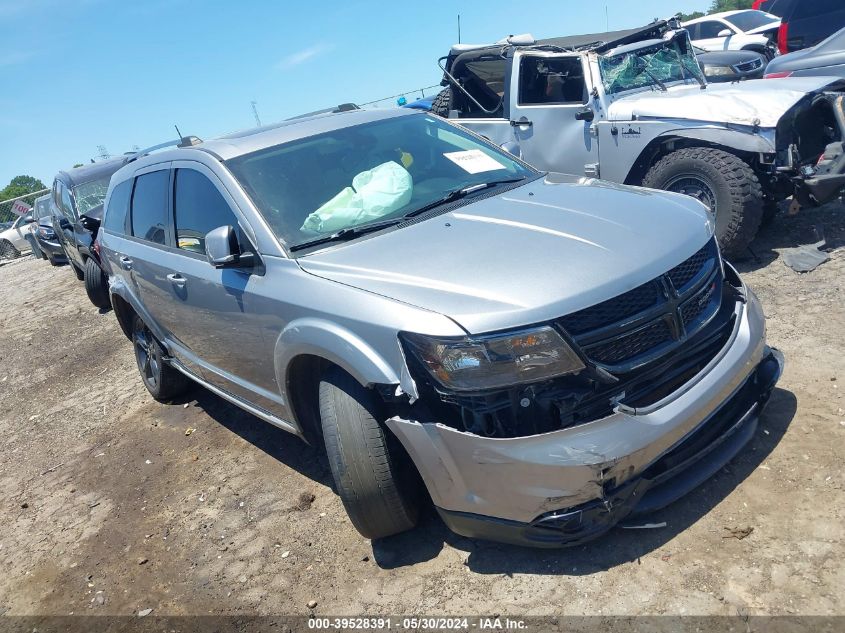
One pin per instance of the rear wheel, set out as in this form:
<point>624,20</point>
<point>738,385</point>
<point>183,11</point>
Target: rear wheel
<point>8,250</point>
<point>375,478</point>
<point>161,380</point>
<point>722,181</point>
<point>96,284</point>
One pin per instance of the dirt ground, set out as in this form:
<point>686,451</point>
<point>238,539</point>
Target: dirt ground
<point>110,506</point>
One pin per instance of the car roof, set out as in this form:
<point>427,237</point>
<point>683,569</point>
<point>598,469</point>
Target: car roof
<point>255,139</point>
<point>94,171</point>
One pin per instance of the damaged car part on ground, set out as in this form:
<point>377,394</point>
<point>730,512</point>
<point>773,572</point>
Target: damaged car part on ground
<point>527,344</point>
<point>633,107</point>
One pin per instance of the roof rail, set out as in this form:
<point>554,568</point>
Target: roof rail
<point>185,141</point>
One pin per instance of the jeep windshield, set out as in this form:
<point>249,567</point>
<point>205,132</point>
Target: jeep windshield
<point>350,181</point>
<point>654,65</point>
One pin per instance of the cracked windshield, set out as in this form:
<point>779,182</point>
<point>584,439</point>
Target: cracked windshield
<point>655,65</point>
<point>90,194</point>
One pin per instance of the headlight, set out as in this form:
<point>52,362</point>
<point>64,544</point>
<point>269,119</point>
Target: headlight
<point>716,71</point>
<point>46,233</point>
<point>494,361</point>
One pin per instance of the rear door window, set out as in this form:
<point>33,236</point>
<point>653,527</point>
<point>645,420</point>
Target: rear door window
<point>199,207</point>
<point>708,30</point>
<point>117,211</point>
<point>149,206</point>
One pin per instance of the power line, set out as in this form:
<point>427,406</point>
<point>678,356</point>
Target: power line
<point>401,94</point>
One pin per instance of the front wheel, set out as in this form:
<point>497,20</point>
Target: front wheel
<point>375,478</point>
<point>96,284</point>
<point>161,380</point>
<point>722,181</point>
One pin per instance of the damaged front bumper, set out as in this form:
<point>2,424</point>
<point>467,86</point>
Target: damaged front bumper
<point>569,486</point>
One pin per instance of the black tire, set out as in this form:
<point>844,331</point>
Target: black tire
<point>80,274</point>
<point>161,380</point>
<point>8,250</point>
<point>724,182</point>
<point>442,103</point>
<point>96,284</point>
<point>374,476</point>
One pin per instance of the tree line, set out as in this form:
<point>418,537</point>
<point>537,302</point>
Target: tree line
<point>717,6</point>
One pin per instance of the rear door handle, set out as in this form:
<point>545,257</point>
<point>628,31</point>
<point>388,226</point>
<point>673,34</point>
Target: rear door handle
<point>176,279</point>
<point>522,122</point>
<point>125,263</point>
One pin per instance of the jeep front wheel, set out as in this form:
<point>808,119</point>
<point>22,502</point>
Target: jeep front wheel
<point>723,182</point>
<point>374,476</point>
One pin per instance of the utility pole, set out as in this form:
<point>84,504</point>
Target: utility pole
<point>254,105</point>
<point>459,28</point>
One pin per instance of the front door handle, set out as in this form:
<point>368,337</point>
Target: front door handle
<point>176,279</point>
<point>125,263</point>
<point>522,122</point>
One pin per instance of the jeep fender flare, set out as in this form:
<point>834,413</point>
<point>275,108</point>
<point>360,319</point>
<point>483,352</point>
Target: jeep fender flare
<point>334,343</point>
<point>729,140</point>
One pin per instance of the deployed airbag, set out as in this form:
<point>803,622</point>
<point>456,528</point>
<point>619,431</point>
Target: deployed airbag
<point>374,193</point>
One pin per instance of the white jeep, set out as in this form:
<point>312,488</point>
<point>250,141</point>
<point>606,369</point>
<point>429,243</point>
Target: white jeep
<point>634,107</point>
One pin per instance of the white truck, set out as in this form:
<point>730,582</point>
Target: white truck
<point>633,107</point>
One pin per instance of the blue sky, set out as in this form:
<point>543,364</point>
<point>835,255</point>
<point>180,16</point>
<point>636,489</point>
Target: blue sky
<point>82,73</point>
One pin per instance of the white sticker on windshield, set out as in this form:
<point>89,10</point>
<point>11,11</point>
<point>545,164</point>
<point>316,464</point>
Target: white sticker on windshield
<point>474,161</point>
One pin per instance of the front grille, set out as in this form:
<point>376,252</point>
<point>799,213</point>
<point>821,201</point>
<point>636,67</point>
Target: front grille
<point>684,272</point>
<point>640,325</point>
<point>632,344</point>
<point>754,64</point>
<point>612,310</point>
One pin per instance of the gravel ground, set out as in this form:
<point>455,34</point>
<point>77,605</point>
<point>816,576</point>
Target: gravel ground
<point>111,506</point>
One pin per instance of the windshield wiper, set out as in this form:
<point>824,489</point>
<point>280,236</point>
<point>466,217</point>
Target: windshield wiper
<point>347,233</point>
<point>656,80</point>
<point>457,194</point>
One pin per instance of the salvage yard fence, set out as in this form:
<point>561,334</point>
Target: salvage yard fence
<point>6,212</point>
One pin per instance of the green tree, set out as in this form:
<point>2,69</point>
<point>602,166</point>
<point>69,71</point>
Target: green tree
<point>690,16</point>
<point>729,5</point>
<point>20,186</point>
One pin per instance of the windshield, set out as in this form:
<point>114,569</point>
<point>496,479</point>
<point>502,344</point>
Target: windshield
<point>42,208</point>
<point>662,62</point>
<point>367,173</point>
<point>90,194</point>
<point>748,20</point>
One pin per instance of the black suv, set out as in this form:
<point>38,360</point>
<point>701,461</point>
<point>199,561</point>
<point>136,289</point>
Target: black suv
<point>78,195</point>
<point>804,23</point>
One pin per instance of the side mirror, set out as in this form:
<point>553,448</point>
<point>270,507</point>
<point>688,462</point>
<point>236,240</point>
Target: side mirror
<point>89,224</point>
<point>725,33</point>
<point>28,219</point>
<point>222,248</point>
<point>63,223</point>
<point>585,114</point>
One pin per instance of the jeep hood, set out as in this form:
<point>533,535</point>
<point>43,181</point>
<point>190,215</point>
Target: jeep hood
<point>758,101</point>
<point>537,252</point>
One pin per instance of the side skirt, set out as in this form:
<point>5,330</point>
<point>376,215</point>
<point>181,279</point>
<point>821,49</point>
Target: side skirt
<point>238,402</point>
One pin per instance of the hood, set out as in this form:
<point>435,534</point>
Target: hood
<point>537,252</point>
<point>727,58</point>
<point>772,26</point>
<point>763,101</point>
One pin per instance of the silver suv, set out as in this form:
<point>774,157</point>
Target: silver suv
<point>546,354</point>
